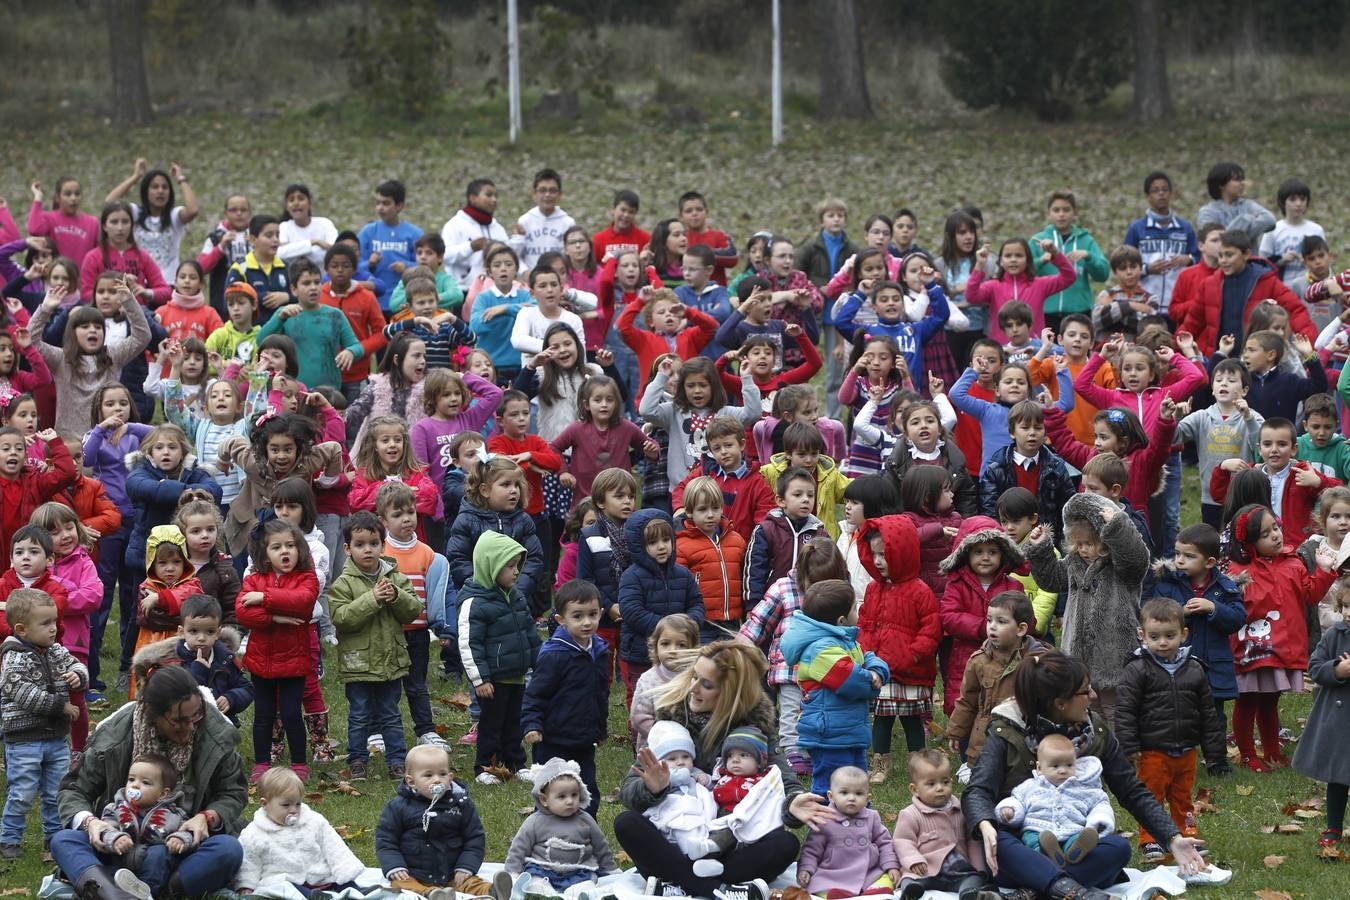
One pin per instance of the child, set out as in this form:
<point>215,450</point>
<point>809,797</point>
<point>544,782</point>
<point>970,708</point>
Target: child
<point>387,243</point>
<point>1015,319</point>
<point>386,455</point>
<point>470,230</point>
<point>921,439</point>
<point>1120,307</point>
<point>854,854</point>
<point>31,554</point>
<point>709,546</point>
<point>275,603</point>
<point>673,327</point>
<point>1164,710</point>
<point>359,304</point>
<point>148,824</point>
<point>430,252</point>
<point>990,671</point>
<point>464,451</point>
<point>535,458</point>
<point>325,339</point>
<point>683,813</point>
<point>225,245</point>
<point>19,345</point>
<point>667,645</point>
<point>699,397</point>
<point>933,847</point>
<point>1014,281</point>
<point>900,622</point>
<point>603,554</point>
<point>237,338</point>
<point>600,438</point>
<point>1071,239</point>
<point>22,487</point>
<point>454,403</point>
<point>117,252</point>
<point>160,470</point>
<point>622,235</point>
<point>875,377</point>
<point>1283,245</point>
<point>1294,485</point>
<point>429,839</point>
<point>889,302</point>
<point>1030,463</point>
<point>926,498</point>
<point>1186,290</point>
<point>752,319</point>
<point>873,440</point>
<point>186,315</point>
<point>1101,613</point>
<point>1320,446</point>
<point>1320,752</point>
<point>288,843</point>
<point>566,703</point>
<point>159,224</point>
<point>1012,385</point>
<point>1271,649</point>
<point>496,309</point>
<point>1061,809</point>
<point>703,289</point>
<point>37,677</point>
<point>442,331</point>
<point>1228,429</point>
<point>398,389</point>
<point>747,497</point>
<point>1166,242</point>
<point>804,448</point>
<point>495,499</point>
<point>532,322</point>
<point>1226,183</point>
<point>1276,393</point>
<point>653,587</point>
<point>204,653</point>
<point>788,404</point>
<point>168,583</point>
<point>1019,512</point>
<point>497,644</point>
<point>199,519</point>
<point>75,233</point>
<point>559,844</point>
<point>868,497</point>
<point>1333,517</point>
<point>775,542</point>
<point>261,269</point>
<point>302,233</point>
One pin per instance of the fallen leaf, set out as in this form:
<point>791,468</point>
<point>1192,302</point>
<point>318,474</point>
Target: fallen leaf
<point>1268,894</point>
<point>1245,790</point>
<point>610,798</point>
<point>350,833</point>
<point>1273,861</point>
<point>345,787</point>
<point>1330,854</point>
<point>1267,829</point>
<point>623,859</point>
<point>1314,803</point>
<point>1307,814</point>
<point>890,818</point>
<point>1204,801</point>
<point>525,810</point>
<point>1127,835</point>
<point>314,796</point>
<point>16,892</point>
<point>503,773</point>
<point>1289,828</point>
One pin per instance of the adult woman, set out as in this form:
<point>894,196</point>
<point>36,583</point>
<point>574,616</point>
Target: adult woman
<point>169,717</point>
<point>720,692</point>
<point>1053,693</point>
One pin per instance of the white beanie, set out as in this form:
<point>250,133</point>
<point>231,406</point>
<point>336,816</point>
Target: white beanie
<point>544,774</point>
<point>668,737</point>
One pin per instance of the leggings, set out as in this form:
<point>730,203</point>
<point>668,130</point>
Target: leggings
<point>79,729</point>
<point>882,727</point>
<point>278,697</point>
<point>1264,710</point>
<point>1336,796</point>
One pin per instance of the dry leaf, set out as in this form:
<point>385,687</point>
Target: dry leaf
<point>345,787</point>
<point>1289,828</point>
<point>890,817</point>
<point>350,833</point>
<point>16,892</point>
<point>1268,894</point>
<point>1204,801</point>
<point>622,859</point>
<point>1127,835</point>
<point>1307,814</point>
<point>525,810</point>
<point>1330,854</point>
<point>1274,862</point>
<point>610,798</point>
<point>1314,803</point>
<point>503,773</point>
<point>1267,829</point>
<point>1245,790</point>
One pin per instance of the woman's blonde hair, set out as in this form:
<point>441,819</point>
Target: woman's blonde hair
<point>740,675</point>
<point>52,515</point>
<point>680,624</point>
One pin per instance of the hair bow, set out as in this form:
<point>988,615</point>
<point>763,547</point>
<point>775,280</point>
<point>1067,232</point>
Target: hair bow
<point>1115,416</point>
<point>7,396</point>
<point>265,416</point>
<point>265,515</point>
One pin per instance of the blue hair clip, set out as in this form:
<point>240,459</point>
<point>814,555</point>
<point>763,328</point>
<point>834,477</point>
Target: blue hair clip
<point>1115,416</point>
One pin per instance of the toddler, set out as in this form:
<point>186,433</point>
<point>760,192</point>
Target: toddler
<point>853,855</point>
<point>209,658</point>
<point>745,755</point>
<point>559,844</point>
<point>289,843</point>
<point>148,824</point>
<point>934,847</point>
<point>1321,751</point>
<point>683,814</point>
<point>1062,808</point>
<point>668,646</point>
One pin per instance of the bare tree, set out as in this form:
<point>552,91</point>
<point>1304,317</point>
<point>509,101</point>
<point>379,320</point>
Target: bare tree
<point>843,79</point>
<point>1152,96</point>
<point>130,90</point>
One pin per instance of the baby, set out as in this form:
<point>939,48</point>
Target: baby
<point>560,844</point>
<point>745,754</point>
<point>854,855</point>
<point>289,843</point>
<point>1062,808</point>
<point>684,813</point>
<point>935,848</point>
<point>148,826</point>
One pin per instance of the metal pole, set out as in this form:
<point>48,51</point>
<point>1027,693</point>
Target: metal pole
<point>777,87</point>
<point>513,66</point>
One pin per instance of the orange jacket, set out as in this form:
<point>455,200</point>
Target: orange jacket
<point>717,566</point>
<point>90,502</point>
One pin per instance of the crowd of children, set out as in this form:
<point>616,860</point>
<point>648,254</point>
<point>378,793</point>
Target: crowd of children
<point>541,457</point>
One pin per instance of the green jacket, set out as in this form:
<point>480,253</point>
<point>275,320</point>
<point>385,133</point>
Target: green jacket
<point>1080,297</point>
<point>320,334</point>
<point>215,780</point>
<point>1332,460</point>
<point>371,644</point>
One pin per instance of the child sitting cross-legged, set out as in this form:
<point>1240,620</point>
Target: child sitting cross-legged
<point>1061,808</point>
<point>934,846</point>
<point>559,844</point>
<point>148,824</point>
<point>853,855</point>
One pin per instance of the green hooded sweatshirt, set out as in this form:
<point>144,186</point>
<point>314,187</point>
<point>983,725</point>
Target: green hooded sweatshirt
<point>497,637</point>
<point>1078,298</point>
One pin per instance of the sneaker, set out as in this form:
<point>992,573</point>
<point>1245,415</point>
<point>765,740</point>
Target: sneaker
<point>525,774</point>
<point>259,769</point>
<point>123,682</point>
<point>302,770</point>
<point>1152,852</point>
<point>11,851</point>
<point>963,773</point>
<point>94,698</point>
<point>669,889</point>
<point>1330,838</point>
<point>432,739</point>
<point>397,771</point>
<point>799,763</point>
<point>502,883</point>
<point>375,744</point>
<point>358,770</point>
<point>471,736</point>
<point>487,778</point>
<point>442,893</point>
<point>127,881</point>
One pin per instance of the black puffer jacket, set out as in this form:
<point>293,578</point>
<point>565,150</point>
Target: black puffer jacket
<point>1156,710</point>
<point>430,839</point>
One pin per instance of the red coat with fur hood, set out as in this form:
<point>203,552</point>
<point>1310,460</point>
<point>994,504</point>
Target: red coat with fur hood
<point>965,603</point>
<point>899,619</point>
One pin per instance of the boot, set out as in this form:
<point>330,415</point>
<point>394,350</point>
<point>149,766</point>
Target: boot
<point>317,726</point>
<point>96,883</point>
<point>279,755</point>
<point>1065,888</point>
<point>976,887</point>
<point>881,768</point>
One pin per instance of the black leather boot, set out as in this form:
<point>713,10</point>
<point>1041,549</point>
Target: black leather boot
<point>976,887</point>
<point>96,883</point>
<point>1065,888</point>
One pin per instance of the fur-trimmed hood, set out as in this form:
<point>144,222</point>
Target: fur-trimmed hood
<point>1167,568</point>
<point>978,530</point>
<point>138,456</point>
<point>1089,508</point>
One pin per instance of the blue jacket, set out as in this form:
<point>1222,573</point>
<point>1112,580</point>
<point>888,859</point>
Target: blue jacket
<point>567,699</point>
<point>911,336</point>
<point>836,680</point>
<point>494,336</point>
<point>431,847</point>
<point>593,555</point>
<point>1054,484</point>
<point>648,591</point>
<point>223,678</point>
<point>473,522</point>
<point>394,243</point>
<point>993,415</point>
<point>1277,393</point>
<point>716,302</point>
<point>1156,241</point>
<point>154,496</point>
<point>1209,634</point>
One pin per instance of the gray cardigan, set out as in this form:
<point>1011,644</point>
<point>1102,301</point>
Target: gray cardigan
<point>564,846</point>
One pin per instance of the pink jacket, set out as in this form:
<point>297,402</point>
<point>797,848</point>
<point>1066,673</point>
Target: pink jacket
<point>926,835</point>
<point>1031,291</point>
<point>1182,379</point>
<point>836,444</point>
<point>132,261</point>
<point>84,594</point>
<point>24,382</point>
<point>363,491</point>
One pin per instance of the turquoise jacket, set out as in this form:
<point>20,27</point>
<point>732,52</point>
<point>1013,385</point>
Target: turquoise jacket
<point>320,334</point>
<point>836,680</point>
<point>1080,297</point>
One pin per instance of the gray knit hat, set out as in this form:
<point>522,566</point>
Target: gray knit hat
<point>544,774</point>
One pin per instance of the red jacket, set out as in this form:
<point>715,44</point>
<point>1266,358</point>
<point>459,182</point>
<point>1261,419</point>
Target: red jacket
<point>1276,596</point>
<point>30,490</point>
<point>1187,289</point>
<point>1202,316</point>
<point>165,615</point>
<point>542,456</point>
<point>717,566</point>
<point>1296,506</point>
<point>746,498</point>
<point>9,583</point>
<point>367,320</point>
<point>797,375</point>
<point>934,546</point>
<point>648,345</point>
<point>276,650</point>
<point>605,291</point>
<point>899,619</point>
<point>90,502</point>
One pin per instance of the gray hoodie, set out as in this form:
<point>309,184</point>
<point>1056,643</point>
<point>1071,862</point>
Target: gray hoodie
<point>1217,439</point>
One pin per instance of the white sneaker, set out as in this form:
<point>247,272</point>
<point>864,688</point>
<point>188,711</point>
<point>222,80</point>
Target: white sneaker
<point>127,881</point>
<point>430,739</point>
<point>708,867</point>
<point>375,744</point>
<point>525,774</point>
<point>963,773</point>
<point>487,778</point>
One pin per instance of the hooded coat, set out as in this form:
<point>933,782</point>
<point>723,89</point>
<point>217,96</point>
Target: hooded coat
<point>1101,597</point>
<point>718,564</point>
<point>1276,593</point>
<point>497,637</point>
<point>934,545</point>
<point>965,602</point>
<point>165,615</point>
<point>1064,809</point>
<point>1210,633</point>
<point>430,838</point>
<point>899,619</point>
<point>154,494</point>
<point>836,680</point>
<point>649,591</point>
<point>275,650</point>
<point>567,699</point>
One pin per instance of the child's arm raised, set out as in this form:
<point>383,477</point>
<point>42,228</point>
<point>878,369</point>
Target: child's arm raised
<point>61,473</point>
<point>845,314</point>
<point>1085,384</point>
<point>655,405</point>
<point>960,393</point>
<point>1129,555</point>
<point>123,350</point>
<point>1075,452</point>
<point>1051,573</point>
<point>811,361</point>
<point>1062,279</point>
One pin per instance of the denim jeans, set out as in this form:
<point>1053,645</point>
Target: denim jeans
<point>1164,510</point>
<point>373,706</point>
<point>209,868</point>
<point>33,769</point>
<point>1020,866</point>
<point>415,682</point>
<point>626,362</point>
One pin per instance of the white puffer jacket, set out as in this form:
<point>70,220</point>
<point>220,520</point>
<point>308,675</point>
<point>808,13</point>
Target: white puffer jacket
<point>308,852</point>
<point>1077,804</point>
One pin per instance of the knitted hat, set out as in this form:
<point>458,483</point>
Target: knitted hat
<point>668,737</point>
<point>751,740</point>
<point>544,774</point>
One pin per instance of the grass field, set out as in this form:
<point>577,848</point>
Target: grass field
<point>928,161</point>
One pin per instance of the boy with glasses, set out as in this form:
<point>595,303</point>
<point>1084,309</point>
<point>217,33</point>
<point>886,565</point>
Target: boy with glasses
<point>541,230</point>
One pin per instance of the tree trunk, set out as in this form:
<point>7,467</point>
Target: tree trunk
<point>130,90</point>
<point>1152,96</point>
<point>843,79</point>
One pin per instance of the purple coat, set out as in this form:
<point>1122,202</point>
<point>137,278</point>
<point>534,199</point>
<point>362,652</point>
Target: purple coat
<point>850,854</point>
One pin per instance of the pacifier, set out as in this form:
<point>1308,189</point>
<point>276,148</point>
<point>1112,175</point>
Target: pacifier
<point>436,790</point>
<point>292,819</point>
<point>133,794</point>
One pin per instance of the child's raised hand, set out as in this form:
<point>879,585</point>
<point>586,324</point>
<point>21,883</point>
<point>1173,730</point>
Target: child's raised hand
<point>287,311</point>
<point>215,361</point>
<point>1302,345</point>
<point>1333,286</point>
<point>1185,341</point>
<point>651,450</point>
<point>667,366</point>
<point>1047,335</point>
<point>176,171</point>
<point>55,295</point>
<point>1226,344</point>
<point>604,358</point>
<point>112,423</point>
<point>1308,478</point>
<point>645,293</point>
<point>849,263</point>
<point>1168,408</point>
<point>1047,245</point>
<point>950,530</point>
<point>1113,346</point>
<point>928,274</point>
<point>1061,363</point>
<point>876,393</point>
<point>982,256</point>
<point>139,166</point>
<point>865,286</point>
<point>1037,534</point>
<point>1240,404</point>
<point>1165,353</point>
<point>36,189</point>
<point>793,331</point>
<point>23,338</point>
<point>935,385</point>
<point>802,297</point>
<point>1234,464</point>
<point>344,360</point>
<point>1325,557</point>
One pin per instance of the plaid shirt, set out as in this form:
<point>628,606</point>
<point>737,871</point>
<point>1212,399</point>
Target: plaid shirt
<point>768,620</point>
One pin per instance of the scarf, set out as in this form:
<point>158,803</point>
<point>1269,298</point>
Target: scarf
<point>1080,734</point>
<point>144,739</point>
<point>618,547</point>
<point>188,301</point>
<point>473,212</point>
